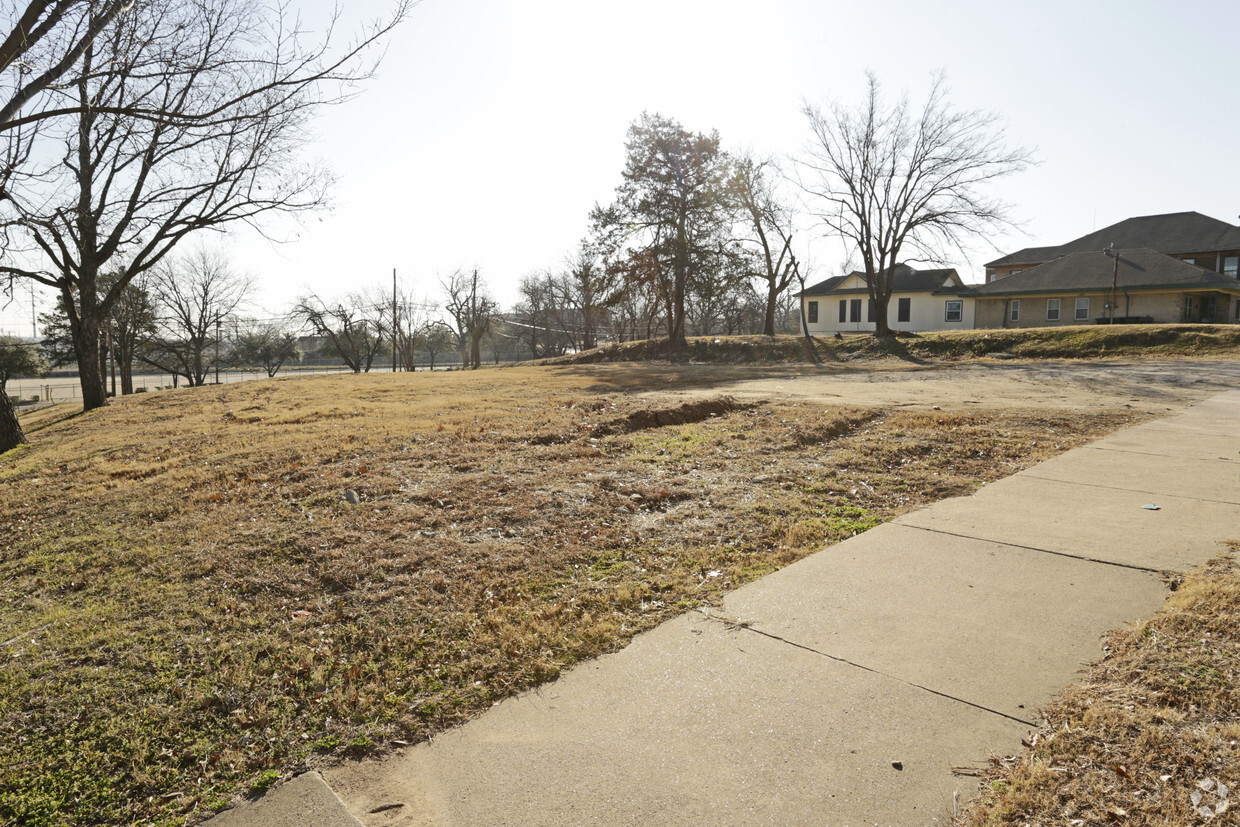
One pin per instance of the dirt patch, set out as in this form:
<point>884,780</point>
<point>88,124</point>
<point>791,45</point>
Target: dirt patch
<point>689,412</point>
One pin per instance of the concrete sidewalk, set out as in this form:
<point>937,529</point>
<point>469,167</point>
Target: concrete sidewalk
<point>845,688</point>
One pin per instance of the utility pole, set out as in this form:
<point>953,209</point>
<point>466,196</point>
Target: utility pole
<point>393,320</point>
<point>1114,279</point>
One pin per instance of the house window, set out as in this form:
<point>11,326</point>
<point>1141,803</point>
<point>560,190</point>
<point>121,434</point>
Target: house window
<point>869,310</point>
<point>904,310</point>
<point>1082,310</point>
<point>812,312</point>
<point>1014,311</point>
<point>1052,310</point>
<point>854,310</point>
<point>843,310</point>
<point>1231,266</point>
<point>953,311</point>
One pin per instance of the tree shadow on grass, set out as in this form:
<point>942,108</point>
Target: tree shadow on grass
<point>40,418</point>
<point>897,347</point>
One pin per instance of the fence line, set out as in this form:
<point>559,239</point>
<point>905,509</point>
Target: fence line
<point>68,388</point>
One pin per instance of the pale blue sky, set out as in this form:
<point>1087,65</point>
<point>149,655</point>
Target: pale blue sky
<point>495,125</point>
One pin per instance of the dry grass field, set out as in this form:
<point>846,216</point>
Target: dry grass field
<point>203,589</point>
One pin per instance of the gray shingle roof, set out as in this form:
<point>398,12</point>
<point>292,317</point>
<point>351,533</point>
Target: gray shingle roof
<point>822,287</point>
<point>905,280</point>
<point>1174,233</point>
<point>1139,269</point>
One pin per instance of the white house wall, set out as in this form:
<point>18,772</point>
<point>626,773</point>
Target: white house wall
<point>926,312</point>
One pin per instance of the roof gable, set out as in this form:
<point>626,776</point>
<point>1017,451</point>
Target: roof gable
<point>904,280</point>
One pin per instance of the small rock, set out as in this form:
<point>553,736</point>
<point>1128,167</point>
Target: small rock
<point>350,496</point>
<point>897,765</point>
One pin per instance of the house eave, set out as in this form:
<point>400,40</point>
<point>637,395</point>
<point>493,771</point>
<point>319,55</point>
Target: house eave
<point>1229,286</point>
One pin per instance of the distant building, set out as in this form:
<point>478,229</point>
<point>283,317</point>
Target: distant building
<point>1187,236</point>
<point>1178,267</point>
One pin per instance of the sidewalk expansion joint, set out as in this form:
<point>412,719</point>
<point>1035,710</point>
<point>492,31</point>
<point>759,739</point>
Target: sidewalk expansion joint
<point>1080,557</point>
<point>1028,475</point>
<point>1219,460</point>
<point>739,626</point>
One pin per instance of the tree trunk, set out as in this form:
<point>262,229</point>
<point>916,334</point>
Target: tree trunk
<point>809,339</point>
<point>880,293</point>
<point>11,434</point>
<point>86,343</point>
<point>475,352</point>
<point>881,326</point>
<point>676,334</point>
<point>103,363</point>
<point>772,299</point>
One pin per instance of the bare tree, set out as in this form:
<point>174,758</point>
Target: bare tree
<point>589,288</point>
<point>411,316</point>
<point>194,295</point>
<point>472,311</point>
<point>44,41</point>
<point>541,317</point>
<point>179,116</point>
<point>769,222</point>
<point>130,321</point>
<point>435,338</point>
<point>268,345</point>
<point>356,328</point>
<point>891,181</point>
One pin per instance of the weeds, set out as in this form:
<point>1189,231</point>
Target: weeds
<point>191,603</point>
<point>1069,342</point>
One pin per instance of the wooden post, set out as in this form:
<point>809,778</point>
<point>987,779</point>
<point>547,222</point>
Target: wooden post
<point>393,320</point>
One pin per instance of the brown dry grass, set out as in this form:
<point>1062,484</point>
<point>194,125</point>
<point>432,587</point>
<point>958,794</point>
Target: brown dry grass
<point>192,606</point>
<point>1154,722</point>
<point>1068,342</point>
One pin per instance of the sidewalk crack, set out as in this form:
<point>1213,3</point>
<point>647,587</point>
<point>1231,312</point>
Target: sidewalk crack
<point>738,625</point>
<point>1134,452</point>
<point>1081,557</point>
<point>1030,475</point>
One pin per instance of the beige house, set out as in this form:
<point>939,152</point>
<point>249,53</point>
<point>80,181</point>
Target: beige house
<point>1109,286</point>
<point>920,300</point>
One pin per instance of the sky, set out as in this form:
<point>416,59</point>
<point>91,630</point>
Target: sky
<point>494,126</point>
